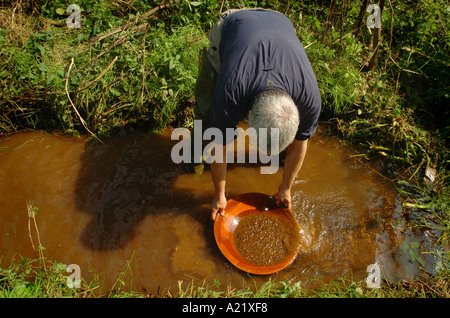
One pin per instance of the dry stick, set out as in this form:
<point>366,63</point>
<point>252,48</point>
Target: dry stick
<point>30,215</point>
<point>371,58</point>
<point>404,69</point>
<point>119,41</point>
<point>141,98</point>
<point>307,46</point>
<point>121,29</point>
<point>39,254</point>
<point>98,77</point>
<point>392,24</point>
<point>374,170</point>
<point>70,100</point>
<point>128,4</point>
<point>112,110</point>
<point>130,25</point>
<point>116,43</point>
<point>405,48</point>
<point>342,37</point>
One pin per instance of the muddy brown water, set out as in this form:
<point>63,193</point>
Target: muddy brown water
<point>104,206</point>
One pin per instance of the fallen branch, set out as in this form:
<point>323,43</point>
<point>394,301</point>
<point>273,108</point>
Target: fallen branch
<point>72,104</point>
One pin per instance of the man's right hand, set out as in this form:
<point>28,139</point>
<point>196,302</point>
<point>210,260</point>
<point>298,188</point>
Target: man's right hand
<point>218,206</point>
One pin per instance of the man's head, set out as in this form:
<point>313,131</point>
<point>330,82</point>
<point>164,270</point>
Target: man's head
<point>275,109</point>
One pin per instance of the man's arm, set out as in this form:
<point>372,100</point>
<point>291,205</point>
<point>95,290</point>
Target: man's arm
<point>218,174</point>
<point>296,152</point>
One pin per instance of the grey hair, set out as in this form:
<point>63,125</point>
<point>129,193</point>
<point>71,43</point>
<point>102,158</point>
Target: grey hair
<point>275,109</point>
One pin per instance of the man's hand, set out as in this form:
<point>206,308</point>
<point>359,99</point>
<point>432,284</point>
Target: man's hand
<point>283,196</point>
<point>295,155</point>
<point>218,174</point>
<point>218,205</point>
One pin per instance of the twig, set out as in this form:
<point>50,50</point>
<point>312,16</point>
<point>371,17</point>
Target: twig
<point>368,62</point>
<point>307,46</point>
<point>143,69</point>
<point>404,69</point>
<point>341,38</point>
<point>128,4</point>
<point>123,28</point>
<point>113,45</point>
<point>374,170</point>
<point>392,24</point>
<point>131,25</point>
<point>13,14</point>
<point>98,77</point>
<point>37,252</point>
<point>405,48</point>
<point>121,278</point>
<point>109,111</point>
<point>31,215</point>
<point>71,103</point>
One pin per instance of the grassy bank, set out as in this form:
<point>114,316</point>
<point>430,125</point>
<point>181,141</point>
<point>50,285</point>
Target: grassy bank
<point>133,65</point>
<point>31,279</point>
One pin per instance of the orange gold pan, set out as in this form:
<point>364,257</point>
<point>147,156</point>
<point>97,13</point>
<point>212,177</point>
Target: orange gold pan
<point>238,207</point>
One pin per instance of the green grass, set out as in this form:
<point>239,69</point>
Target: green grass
<point>28,279</point>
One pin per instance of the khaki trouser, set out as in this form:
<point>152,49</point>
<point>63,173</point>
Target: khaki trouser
<point>209,64</point>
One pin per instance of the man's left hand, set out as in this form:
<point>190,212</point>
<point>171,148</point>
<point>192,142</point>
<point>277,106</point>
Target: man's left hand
<point>283,196</point>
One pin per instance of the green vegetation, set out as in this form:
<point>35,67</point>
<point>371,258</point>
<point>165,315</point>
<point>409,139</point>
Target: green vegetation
<point>128,69</point>
<point>27,279</point>
<point>133,65</point>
